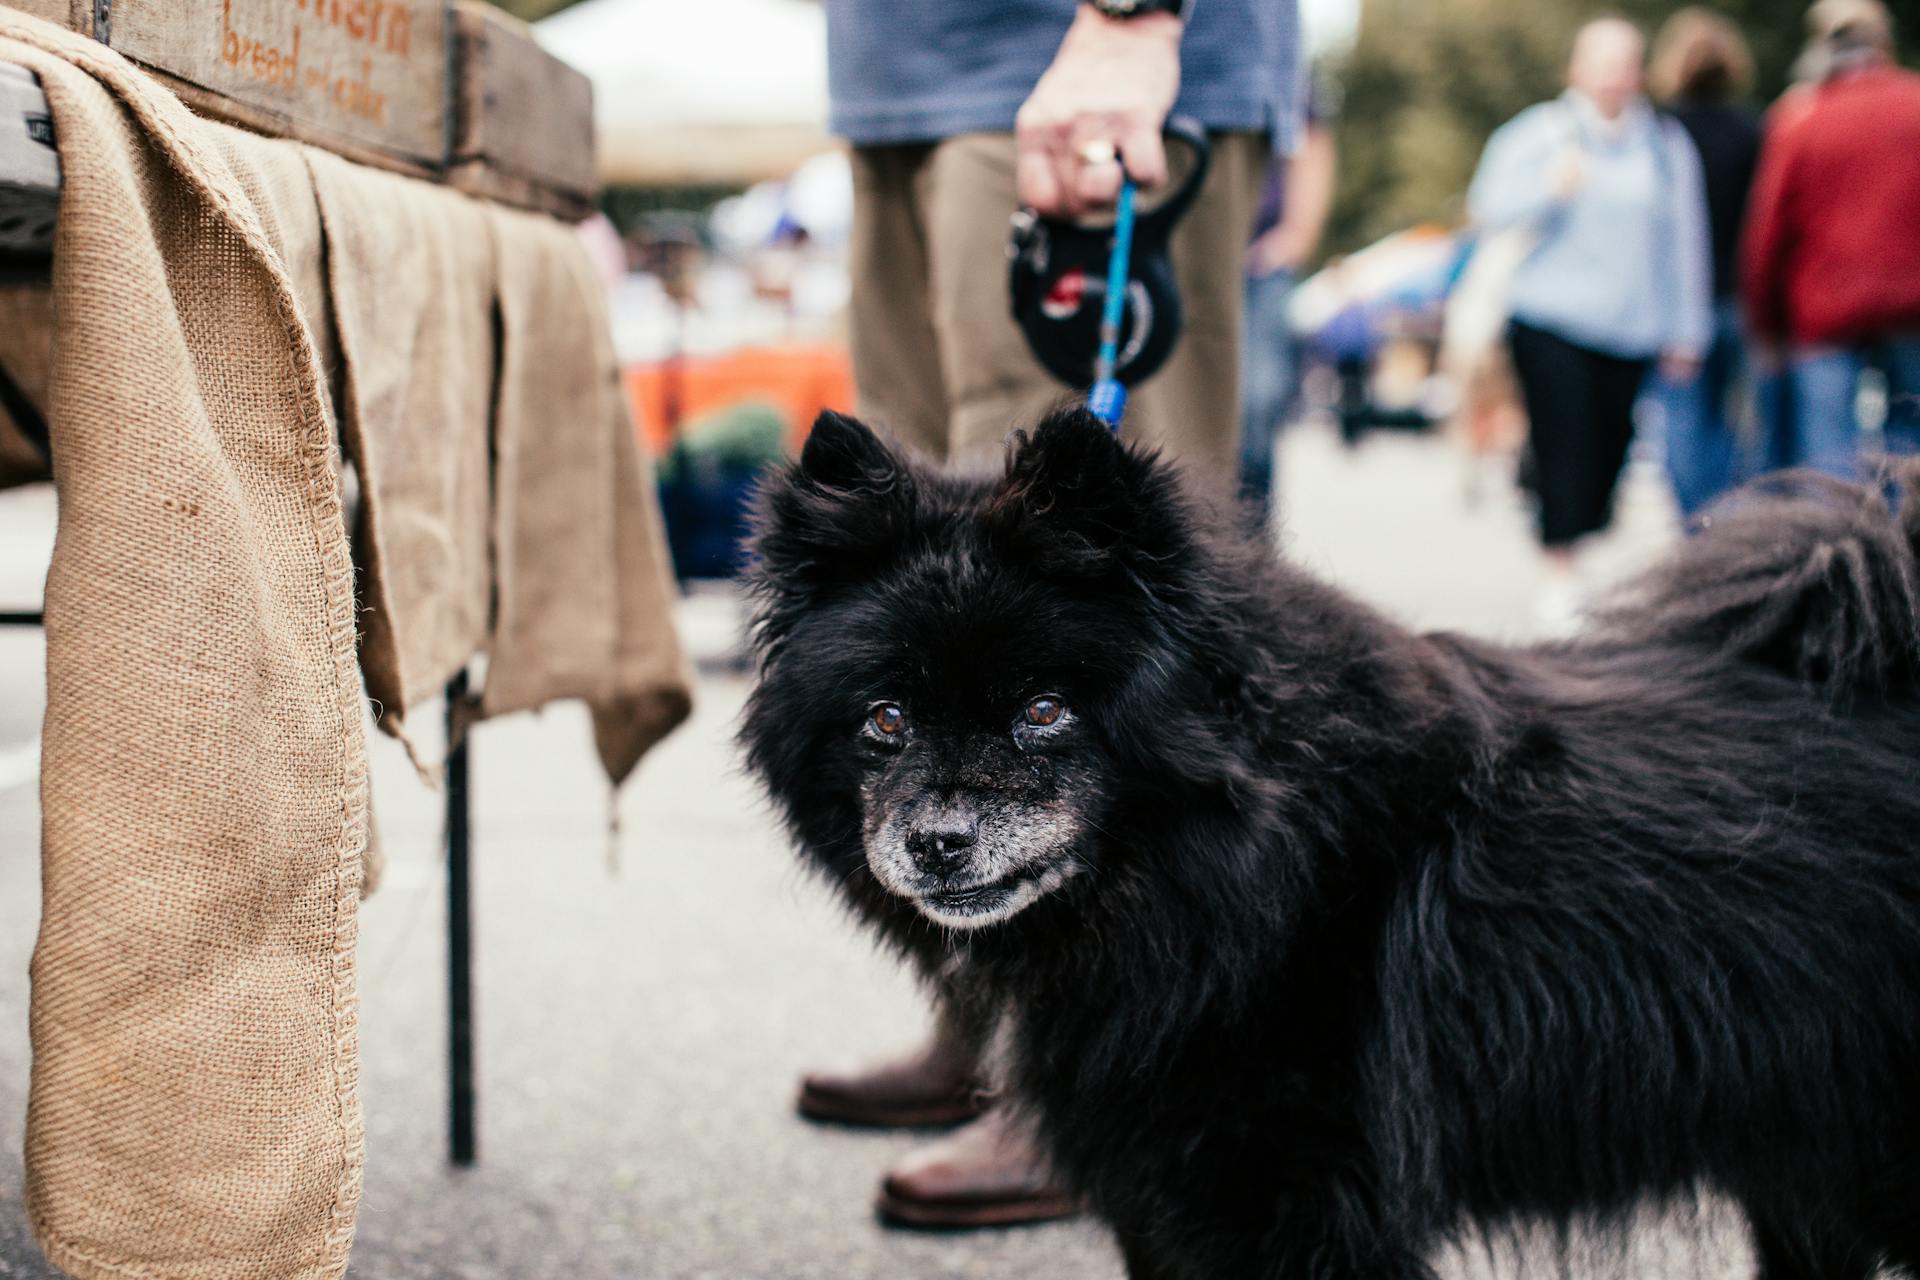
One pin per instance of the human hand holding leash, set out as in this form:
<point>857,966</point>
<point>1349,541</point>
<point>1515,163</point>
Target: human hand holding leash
<point>1100,305</point>
<point>1106,95</point>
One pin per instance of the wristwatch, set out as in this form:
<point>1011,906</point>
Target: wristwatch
<point>1134,8</point>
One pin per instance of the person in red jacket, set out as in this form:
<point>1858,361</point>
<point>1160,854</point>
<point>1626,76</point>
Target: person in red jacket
<point>1831,263</point>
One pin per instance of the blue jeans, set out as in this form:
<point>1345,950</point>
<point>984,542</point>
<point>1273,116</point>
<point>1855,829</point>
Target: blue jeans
<point>1808,412</point>
<point>1703,446</point>
<point>1269,381</point>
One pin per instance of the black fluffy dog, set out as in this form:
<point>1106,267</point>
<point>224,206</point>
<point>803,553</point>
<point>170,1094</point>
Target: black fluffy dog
<point>1308,939</point>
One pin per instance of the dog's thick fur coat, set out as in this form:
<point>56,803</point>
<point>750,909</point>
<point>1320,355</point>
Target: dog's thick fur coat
<point>1374,933</point>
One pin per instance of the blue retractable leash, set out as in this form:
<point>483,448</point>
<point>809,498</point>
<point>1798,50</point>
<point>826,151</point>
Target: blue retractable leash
<point>1100,306</point>
<point>1107,399</point>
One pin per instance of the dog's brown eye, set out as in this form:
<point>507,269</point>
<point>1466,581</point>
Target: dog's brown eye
<point>888,719</point>
<point>1045,711</point>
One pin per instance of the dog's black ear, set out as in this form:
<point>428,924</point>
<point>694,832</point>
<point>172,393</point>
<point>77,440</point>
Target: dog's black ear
<point>834,513</point>
<point>844,453</point>
<point>1080,500</point>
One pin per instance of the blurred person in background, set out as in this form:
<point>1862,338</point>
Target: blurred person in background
<point>1701,73</point>
<point>958,113</point>
<point>1619,278</point>
<point>1832,256</point>
<point>1287,230</point>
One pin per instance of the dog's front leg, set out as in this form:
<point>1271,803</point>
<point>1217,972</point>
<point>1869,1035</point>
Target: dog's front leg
<point>1191,1255</point>
<point>1334,1228</point>
<point>1299,1255</point>
<point>1144,1261</point>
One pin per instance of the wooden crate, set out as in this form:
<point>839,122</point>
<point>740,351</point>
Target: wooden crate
<point>65,12</point>
<point>522,119</point>
<point>365,78</point>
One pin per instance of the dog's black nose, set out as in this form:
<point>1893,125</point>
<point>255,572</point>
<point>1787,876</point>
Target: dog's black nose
<point>939,846</point>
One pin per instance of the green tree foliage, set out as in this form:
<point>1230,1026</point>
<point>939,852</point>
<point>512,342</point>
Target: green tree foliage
<point>1428,80</point>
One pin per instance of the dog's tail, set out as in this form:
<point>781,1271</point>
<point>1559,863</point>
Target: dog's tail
<point>1815,576</point>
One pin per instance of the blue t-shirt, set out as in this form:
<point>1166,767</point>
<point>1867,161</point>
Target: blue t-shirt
<point>922,70</point>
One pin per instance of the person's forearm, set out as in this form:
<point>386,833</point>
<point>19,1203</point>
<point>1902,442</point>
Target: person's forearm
<point>1311,177</point>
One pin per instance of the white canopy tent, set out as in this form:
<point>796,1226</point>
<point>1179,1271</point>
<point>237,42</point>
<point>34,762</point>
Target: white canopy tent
<point>713,91</point>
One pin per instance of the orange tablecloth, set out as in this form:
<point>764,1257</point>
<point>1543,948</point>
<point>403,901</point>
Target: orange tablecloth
<point>801,380</point>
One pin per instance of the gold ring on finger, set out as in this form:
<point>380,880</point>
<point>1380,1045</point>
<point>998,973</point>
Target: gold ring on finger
<point>1099,151</point>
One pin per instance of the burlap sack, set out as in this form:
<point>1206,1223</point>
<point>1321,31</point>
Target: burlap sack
<point>585,590</point>
<point>26,356</point>
<point>194,1108</point>
<point>410,275</point>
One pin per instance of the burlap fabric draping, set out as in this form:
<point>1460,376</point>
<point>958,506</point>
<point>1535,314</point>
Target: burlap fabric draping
<point>411,276</point>
<point>582,563</point>
<point>428,286</point>
<point>194,1108</point>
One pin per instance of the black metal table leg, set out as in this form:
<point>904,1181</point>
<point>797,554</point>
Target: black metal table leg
<point>460,1092</point>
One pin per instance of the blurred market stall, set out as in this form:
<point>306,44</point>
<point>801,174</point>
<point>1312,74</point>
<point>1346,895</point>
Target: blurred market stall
<point>724,91</point>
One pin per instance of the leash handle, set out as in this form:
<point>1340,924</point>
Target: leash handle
<point>1108,399</point>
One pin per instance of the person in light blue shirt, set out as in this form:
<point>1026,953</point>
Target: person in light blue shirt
<point>1619,278</point>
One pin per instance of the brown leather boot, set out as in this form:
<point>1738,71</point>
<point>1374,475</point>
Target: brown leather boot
<point>988,1174</point>
<point>934,1085</point>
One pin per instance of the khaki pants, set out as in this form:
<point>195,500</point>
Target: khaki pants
<point>937,357</point>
